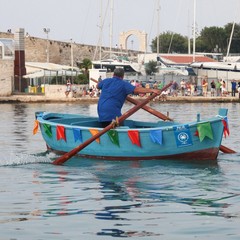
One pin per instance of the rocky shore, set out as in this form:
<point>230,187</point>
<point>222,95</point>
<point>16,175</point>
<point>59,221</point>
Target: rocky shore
<point>41,98</point>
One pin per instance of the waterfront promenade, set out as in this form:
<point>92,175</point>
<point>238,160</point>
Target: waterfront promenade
<point>42,98</point>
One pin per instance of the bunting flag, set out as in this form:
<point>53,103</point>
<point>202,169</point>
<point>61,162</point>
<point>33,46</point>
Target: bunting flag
<point>94,132</point>
<point>225,127</point>
<point>113,135</point>
<point>182,136</point>
<point>61,133</point>
<point>134,137</point>
<point>156,136</point>
<point>204,130</point>
<point>196,133</point>
<point>47,129</point>
<point>77,133</point>
<point>35,128</point>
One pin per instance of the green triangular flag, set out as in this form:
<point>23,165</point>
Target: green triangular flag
<point>47,129</point>
<point>113,135</point>
<point>205,130</point>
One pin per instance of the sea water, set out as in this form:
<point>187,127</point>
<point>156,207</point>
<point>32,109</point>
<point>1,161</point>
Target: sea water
<point>88,199</point>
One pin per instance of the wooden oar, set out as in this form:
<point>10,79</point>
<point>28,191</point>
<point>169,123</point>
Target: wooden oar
<point>150,110</point>
<point>225,149</point>
<point>74,151</point>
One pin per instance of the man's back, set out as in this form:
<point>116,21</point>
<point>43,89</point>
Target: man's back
<point>113,94</point>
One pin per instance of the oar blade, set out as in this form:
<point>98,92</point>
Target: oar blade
<point>225,149</point>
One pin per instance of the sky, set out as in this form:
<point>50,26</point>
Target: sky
<point>81,20</point>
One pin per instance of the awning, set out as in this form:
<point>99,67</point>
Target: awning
<point>47,73</point>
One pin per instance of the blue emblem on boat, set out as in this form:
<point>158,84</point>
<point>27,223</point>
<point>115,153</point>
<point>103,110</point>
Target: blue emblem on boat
<point>182,136</point>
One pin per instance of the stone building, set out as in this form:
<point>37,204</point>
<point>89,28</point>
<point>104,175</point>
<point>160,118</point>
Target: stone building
<point>27,48</point>
<point>6,66</point>
<point>60,52</point>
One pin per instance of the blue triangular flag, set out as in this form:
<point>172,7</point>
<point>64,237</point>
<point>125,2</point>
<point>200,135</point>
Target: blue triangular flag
<point>156,136</point>
<point>77,132</point>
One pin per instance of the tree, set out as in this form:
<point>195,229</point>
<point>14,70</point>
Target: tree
<point>212,37</point>
<point>85,65</point>
<point>81,79</point>
<point>170,42</point>
<point>151,67</point>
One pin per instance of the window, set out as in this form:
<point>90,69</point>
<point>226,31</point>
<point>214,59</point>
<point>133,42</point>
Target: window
<point>6,48</point>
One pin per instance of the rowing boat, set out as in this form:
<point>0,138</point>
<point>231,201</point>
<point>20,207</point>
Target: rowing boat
<point>135,140</point>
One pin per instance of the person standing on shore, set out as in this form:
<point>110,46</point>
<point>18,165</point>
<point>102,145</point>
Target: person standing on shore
<point>234,87</point>
<point>213,88</point>
<point>174,89</point>
<point>160,85</point>
<point>113,95</point>
<point>68,88</point>
<point>238,90</point>
<point>218,88</point>
<point>183,87</point>
<point>204,87</point>
<point>100,78</point>
<point>224,89</point>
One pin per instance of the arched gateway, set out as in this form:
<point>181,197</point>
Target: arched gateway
<point>142,36</point>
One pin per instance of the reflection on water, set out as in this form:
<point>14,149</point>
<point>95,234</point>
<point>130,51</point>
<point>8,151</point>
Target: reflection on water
<point>132,197</point>
<point>20,125</point>
<point>90,199</point>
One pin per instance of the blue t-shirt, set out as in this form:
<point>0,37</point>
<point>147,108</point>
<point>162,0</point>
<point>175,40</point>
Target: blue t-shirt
<point>113,95</point>
<point>234,85</point>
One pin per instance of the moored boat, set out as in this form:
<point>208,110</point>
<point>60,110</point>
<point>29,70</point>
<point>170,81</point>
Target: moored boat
<point>135,140</point>
<point>217,70</point>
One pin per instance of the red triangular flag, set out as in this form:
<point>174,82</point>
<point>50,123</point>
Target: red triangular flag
<point>134,137</point>
<point>61,133</point>
<point>225,128</point>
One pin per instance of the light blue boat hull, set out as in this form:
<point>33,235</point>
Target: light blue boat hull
<point>207,149</point>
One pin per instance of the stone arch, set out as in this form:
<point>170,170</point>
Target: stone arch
<point>141,35</point>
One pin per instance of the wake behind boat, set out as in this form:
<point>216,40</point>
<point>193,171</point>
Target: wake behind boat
<point>135,140</point>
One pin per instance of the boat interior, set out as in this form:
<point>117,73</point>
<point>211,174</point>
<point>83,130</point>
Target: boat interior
<point>93,122</point>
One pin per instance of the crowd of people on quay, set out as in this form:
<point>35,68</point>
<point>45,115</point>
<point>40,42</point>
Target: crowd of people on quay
<point>205,88</point>
<point>219,88</point>
<point>81,91</point>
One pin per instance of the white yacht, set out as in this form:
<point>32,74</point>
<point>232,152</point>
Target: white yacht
<point>218,70</point>
<point>112,63</point>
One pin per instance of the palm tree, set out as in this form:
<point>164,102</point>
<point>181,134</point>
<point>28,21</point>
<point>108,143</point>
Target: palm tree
<point>85,65</point>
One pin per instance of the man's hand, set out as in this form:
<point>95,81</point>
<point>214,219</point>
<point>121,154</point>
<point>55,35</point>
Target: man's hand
<point>158,92</point>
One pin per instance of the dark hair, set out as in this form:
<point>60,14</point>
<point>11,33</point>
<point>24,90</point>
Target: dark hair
<point>118,72</point>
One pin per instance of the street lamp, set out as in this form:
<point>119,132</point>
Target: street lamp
<point>47,30</point>
<point>72,56</point>
<point>132,43</point>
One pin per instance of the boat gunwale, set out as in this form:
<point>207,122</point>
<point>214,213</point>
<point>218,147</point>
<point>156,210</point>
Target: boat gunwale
<point>141,129</point>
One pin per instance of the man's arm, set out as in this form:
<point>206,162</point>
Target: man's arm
<point>141,90</point>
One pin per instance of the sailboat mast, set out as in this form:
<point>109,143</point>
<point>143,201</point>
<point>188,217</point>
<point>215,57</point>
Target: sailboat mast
<point>194,29</point>
<point>101,32</point>
<point>111,29</point>
<point>189,34</point>
<point>230,40</point>
<point>158,20</point>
